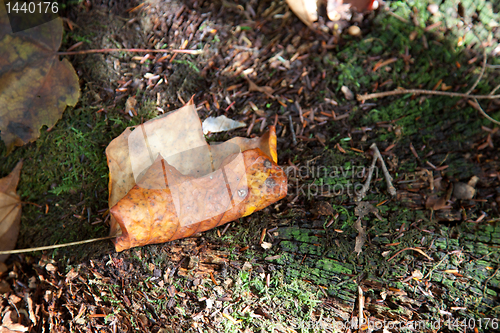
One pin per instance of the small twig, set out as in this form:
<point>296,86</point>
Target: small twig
<point>366,97</point>
<point>485,114</point>
<point>362,194</point>
<point>361,306</point>
<point>387,176</point>
<point>194,52</point>
<point>495,89</point>
<point>294,138</point>
<point>31,203</point>
<point>436,266</point>
<point>485,59</point>
<point>50,247</point>
<point>488,280</point>
<point>402,19</point>
<point>225,229</point>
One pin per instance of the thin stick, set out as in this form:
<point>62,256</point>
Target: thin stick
<point>485,114</point>
<point>361,305</point>
<point>429,275</point>
<point>365,97</point>
<point>387,176</point>
<point>402,19</point>
<point>294,138</point>
<point>485,59</point>
<point>31,203</point>
<point>495,89</point>
<point>362,194</point>
<point>130,50</point>
<point>488,280</point>
<point>50,247</point>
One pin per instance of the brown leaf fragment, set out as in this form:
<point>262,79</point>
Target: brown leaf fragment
<point>35,86</point>
<point>268,91</point>
<point>130,105</point>
<point>361,237</point>
<point>321,138</point>
<point>4,287</point>
<point>9,326</point>
<point>437,203</point>
<point>10,211</point>
<point>363,208</point>
<point>324,208</point>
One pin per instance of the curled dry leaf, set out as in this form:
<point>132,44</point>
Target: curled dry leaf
<point>306,10</point>
<point>220,124</point>
<point>10,211</point>
<point>167,183</point>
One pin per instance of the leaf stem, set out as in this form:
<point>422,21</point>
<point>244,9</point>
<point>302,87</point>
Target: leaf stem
<point>193,52</point>
<point>50,247</point>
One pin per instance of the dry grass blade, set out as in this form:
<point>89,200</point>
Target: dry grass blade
<point>411,248</point>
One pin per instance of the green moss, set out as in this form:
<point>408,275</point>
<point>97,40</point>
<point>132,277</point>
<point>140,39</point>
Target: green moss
<point>66,171</point>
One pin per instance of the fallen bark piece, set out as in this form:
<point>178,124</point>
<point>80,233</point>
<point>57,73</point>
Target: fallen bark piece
<point>157,210</point>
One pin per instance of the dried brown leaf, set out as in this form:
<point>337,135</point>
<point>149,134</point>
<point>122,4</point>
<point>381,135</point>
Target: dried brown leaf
<point>361,237</point>
<point>187,186</point>
<point>10,211</point>
<point>35,87</point>
<point>306,10</point>
<point>148,213</point>
<point>9,326</point>
<point>268,91</point>
<point>436,203</point>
